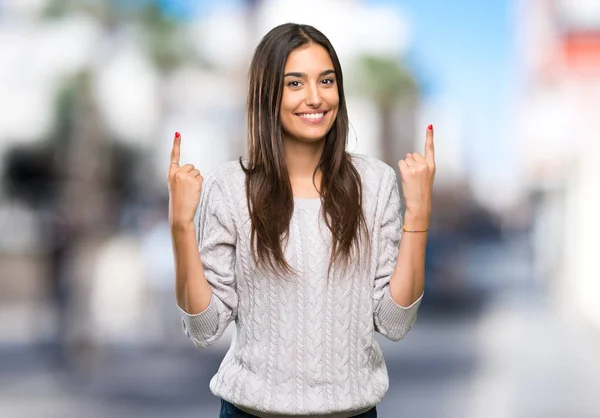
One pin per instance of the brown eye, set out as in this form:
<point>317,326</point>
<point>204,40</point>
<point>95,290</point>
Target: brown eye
<point>328,81</point>
<point>291,83</point>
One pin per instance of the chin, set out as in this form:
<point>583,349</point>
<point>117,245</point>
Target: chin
<point>309,137</point>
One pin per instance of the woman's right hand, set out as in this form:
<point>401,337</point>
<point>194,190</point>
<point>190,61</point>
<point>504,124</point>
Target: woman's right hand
<point>185,185</point>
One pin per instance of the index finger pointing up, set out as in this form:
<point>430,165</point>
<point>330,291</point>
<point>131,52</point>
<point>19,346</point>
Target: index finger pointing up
<point>175,152</point>
<point>429,149</point>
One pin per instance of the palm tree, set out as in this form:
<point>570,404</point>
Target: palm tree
<point>394,91</point>
<point>86,172</point>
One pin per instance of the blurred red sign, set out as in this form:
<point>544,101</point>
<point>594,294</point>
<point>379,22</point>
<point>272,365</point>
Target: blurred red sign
<point>581,52</point>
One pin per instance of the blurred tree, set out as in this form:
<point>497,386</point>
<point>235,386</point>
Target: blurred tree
<point>165,40</point>
<point>77,179</point>
<point>158,31</point>
<point>167,45</point>
<point>394,91</point>
<point>86,145</point>
<point>81,178</point>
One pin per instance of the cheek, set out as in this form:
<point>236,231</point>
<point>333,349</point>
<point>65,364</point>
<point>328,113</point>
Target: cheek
<point>287,107</point>
<point>333,102</point>
<point>333,99</point>
<point>289,104</point>
<point>286,120</point>
<point>286,103</point>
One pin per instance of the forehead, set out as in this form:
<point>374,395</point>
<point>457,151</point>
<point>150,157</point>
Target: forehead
<point>309,59</point>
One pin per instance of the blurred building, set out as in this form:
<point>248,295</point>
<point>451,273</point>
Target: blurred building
<point>560,61</point>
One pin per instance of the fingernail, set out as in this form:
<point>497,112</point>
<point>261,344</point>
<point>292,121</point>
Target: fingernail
<point>177,135</point>
<point>430,127</point>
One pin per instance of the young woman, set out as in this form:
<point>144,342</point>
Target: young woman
<point>299,244</point>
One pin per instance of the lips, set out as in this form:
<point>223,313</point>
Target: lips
<point>312,118</point>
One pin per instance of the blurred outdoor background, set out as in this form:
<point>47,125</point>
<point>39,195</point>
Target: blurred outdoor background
<point>92,92</point>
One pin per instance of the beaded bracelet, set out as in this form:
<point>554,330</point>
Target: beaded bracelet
<point>414,230</point>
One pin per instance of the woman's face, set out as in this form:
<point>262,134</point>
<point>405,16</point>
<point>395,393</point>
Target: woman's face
<point>310,98</point>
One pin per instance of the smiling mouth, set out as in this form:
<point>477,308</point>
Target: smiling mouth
<point>312,117</point>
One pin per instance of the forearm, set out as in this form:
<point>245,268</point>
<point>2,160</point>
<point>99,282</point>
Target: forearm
<point>192,290</point>
<point>408,279</point>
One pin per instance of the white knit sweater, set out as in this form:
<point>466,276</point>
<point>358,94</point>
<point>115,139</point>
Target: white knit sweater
<point>302,346</point>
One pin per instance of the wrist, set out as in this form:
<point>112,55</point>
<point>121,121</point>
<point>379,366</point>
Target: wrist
<point>416,221</point>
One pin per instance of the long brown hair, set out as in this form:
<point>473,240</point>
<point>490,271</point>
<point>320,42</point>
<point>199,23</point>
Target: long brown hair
<point>268,188</point>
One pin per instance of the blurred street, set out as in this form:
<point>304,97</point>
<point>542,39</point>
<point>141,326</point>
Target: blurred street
<point>514,357</point>
<point>501,364</point>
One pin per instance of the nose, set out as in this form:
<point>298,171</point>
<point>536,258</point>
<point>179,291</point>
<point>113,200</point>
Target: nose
<point>313,98</point>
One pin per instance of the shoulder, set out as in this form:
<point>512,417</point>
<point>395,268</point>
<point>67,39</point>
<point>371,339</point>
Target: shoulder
<point>221,192</point>
<point>377,176</point>
<point>227,177</point>
<point>223,186</point>
<point>371,167</point>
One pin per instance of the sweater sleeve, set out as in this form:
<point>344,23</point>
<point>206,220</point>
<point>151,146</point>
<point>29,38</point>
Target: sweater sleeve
<point>216,243</point>
<point>390,319</point>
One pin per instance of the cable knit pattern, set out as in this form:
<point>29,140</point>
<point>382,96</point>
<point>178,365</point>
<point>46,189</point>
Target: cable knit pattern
<point>304,345</point>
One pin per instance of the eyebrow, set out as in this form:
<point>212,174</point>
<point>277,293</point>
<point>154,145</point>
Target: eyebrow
<point>300,75</point>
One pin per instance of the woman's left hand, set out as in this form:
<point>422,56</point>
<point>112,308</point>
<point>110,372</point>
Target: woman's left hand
<point>416,174</point>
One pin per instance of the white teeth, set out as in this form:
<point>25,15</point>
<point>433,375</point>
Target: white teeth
<point>311,115</point>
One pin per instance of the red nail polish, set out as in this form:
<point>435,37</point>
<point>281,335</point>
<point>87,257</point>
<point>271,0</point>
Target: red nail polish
<point>177,135</point>
<point>430,127</point>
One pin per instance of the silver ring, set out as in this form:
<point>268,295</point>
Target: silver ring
<point>174,162</point>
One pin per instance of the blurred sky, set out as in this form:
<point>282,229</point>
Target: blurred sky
<point>473,42</point>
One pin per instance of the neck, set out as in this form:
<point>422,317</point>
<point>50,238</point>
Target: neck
<point>302,158</point>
